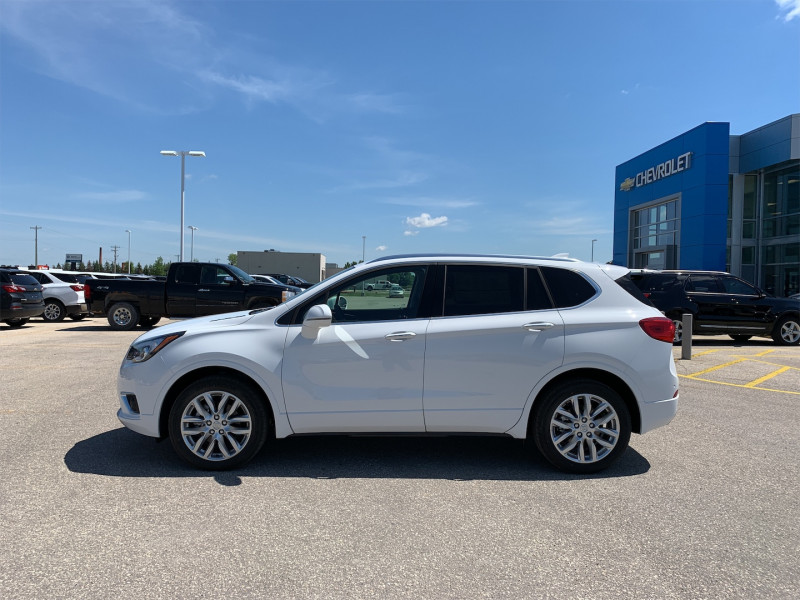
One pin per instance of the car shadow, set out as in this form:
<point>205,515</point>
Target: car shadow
<point>122,453</point>
<point>761,341</point>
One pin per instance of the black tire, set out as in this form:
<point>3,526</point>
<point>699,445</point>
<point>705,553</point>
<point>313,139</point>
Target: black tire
<point>17,323</point>
<point>581,426</point>
<point>123,316</point>
<point>787,331</point>
<point>78,317</point>
<point>146,322</point>
<point>213,404</point>
<point>740,338</point>
<point>678,320</point>
<point>54,311</point>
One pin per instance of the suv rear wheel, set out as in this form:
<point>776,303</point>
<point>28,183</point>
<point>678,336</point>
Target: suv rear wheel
<point>582,426</point>
<point>54,311</point>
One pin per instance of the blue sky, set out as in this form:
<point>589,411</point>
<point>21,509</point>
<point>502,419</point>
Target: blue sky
<point>447,126</point>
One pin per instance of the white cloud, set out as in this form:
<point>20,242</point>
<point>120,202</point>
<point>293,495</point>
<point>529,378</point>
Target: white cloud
<point>424,221</point>
<point>381,248</point>
<point>113,197</point>
<point>429,201</point>
<point>790,7</point>
<point>410,233</point>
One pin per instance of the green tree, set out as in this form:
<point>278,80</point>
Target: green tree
<point>158,267</point>
<point>232,258</point>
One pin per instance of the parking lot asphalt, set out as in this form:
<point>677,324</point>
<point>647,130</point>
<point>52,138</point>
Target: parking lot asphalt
<point>703,508</point>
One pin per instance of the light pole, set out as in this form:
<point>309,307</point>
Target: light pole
<point>36,245</point>
<point>363,248</point>
<point>593,241</point>
<point>183,154</point>
<point>128,231</point>
<point>191,255</point>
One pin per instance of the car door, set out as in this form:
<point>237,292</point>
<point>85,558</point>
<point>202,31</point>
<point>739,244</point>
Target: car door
<point>363,373</point>
<point>748,308</point>
<point>219,291</point>
<point>714,308</point>
<point>181,290</point>
<point>486,353</point>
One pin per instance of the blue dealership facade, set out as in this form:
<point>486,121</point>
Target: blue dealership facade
<point>709,200</point>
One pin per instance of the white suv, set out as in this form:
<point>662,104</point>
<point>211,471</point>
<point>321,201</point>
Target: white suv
<point>61,298</point>
<point>557,351</point>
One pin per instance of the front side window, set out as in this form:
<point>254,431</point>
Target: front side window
<point>483,289</point>
<point>359,300</point>
<point>211,275</point>
<point>737,286</point>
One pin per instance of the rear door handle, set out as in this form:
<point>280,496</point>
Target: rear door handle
<point>400,336</point>
<point>538,326</point>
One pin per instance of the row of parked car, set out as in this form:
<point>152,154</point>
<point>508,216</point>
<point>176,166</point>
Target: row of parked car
<point>55,294</point>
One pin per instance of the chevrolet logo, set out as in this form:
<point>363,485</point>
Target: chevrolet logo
<point>627,185</point>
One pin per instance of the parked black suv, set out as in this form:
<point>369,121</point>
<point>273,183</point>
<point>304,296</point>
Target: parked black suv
<point>720,304</point>
<point>20,297</point>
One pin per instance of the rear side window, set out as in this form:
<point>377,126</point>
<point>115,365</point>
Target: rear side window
<point>567,287</point>
<point>703,283</point>
<point>187,274</point>
<point>483,290</point>
<point>538,298</point>
<point>66,277</point>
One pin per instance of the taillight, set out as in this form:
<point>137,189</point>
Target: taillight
<point>87,293</point>
<point>13,288</point>
<point>659,328</point>
<point>647,294</point>
<point>77,287</point>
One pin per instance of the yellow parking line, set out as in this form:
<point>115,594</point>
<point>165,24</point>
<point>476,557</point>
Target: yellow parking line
<point>756,382</point>
<point>704,353</point>
<point>738,385</point>
<point>722,366</point>
<point>764,353</point>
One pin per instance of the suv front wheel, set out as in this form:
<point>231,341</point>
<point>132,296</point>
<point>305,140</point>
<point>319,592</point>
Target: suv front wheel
<point>218,423</point>
<point>787,332</point>
<point>582,426</point>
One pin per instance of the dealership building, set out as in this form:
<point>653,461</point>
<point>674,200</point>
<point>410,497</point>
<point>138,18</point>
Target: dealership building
<point>710,200</point>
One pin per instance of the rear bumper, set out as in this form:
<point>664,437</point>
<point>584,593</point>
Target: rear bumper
<point>78,309</point>
<point>24,311</point>
<point>658,414</point>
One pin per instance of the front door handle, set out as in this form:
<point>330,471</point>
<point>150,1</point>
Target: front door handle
<point>400,336</point>
<point>538,326</point>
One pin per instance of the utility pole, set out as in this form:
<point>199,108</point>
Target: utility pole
<point>36,246</point>
<point>115,248</point>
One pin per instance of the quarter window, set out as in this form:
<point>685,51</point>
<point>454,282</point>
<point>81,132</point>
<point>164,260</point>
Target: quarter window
<point>567,287</point>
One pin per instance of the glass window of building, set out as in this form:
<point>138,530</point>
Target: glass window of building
<point>655,236</point>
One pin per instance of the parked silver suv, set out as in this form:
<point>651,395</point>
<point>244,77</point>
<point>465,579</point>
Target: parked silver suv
<point>556,351</point>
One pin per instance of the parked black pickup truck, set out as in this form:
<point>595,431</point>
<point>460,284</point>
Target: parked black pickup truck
<point>191,290</point>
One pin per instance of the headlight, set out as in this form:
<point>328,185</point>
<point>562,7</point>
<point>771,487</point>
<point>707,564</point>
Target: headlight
<point>140,351</point>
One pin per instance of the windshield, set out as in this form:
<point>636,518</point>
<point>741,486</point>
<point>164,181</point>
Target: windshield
<point>245,277</point>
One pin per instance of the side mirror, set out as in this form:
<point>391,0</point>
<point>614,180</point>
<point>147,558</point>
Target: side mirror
<point>228,280</point>
<point>317,317</point>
